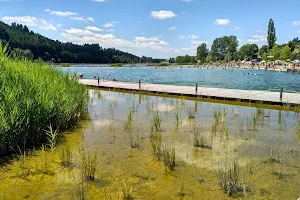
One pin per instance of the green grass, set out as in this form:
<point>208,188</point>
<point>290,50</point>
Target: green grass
<point>65,64</point>
<point>33,96</point>
<point>116,65</point>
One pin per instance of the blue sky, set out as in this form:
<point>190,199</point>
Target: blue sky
<point>157,28</point>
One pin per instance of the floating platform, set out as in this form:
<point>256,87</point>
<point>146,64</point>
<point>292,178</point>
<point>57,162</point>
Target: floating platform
<point>251,96</point>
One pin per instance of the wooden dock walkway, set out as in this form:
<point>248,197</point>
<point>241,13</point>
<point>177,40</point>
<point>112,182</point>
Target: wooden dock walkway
<point>293,99</point>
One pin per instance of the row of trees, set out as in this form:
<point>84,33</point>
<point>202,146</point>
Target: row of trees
<point>24,42</point>
<point>225,49</point>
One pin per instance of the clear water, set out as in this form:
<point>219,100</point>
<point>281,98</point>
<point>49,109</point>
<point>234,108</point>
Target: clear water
<point>218,78</point>
<point>247,134</point>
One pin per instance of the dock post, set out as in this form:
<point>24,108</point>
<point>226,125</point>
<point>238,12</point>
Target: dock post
<point>140,84</point>
<point>196,87</point>
<point>281,93</point>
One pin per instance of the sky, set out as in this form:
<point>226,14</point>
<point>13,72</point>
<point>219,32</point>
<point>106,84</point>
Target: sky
<point>156,28</point>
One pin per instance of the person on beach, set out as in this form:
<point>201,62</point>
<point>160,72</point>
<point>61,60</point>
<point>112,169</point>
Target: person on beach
<point>98,80</point>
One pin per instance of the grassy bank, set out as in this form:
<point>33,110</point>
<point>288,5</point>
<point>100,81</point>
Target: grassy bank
<point>34,96</point>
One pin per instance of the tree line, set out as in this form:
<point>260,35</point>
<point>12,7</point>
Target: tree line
<point>225,49</point>
<point>26,43</point>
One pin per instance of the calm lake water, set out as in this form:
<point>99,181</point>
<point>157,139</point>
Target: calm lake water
<point>218,78</point>
<point>264,142</point>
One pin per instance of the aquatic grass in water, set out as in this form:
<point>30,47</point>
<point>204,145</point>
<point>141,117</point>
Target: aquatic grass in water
<point>34,95</point>
<point>201,140</point>
<point>89,164</point>
<point>24,169</point>
<point>168,154</point>
<point>191,113</point>
<point>156,144</point>
<point>52,137</point>
<point>156,122</point>
<point>127,191</point>
<point>66,156</point>
<point>230,179</point>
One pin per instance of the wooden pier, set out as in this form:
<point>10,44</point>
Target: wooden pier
<point>253,96</point>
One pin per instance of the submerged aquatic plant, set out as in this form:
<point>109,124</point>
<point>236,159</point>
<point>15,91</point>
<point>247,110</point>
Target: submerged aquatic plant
<point>176,114</point>
<point>45,161</point>
<point>168,154</point>
<point>134,141</point>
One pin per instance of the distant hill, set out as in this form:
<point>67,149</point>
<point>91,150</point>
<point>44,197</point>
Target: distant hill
<point>35,46</point>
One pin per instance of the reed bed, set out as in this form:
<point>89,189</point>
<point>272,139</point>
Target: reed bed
<point>33,96</point>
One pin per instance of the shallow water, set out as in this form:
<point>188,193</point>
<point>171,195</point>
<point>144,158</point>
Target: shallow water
<point>246,134</point>
<point>218,78</point>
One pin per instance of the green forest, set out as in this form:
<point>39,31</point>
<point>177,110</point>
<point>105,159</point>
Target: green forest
<point>26,43</point>
<point>226,49</point>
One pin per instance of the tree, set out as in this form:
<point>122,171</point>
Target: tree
<point>248,51</point>
<point>223,46</point>
<point>285,53</point>
<point>271,34</point>
<point>202,52</point>
<point>263,49</point>
<point>275,52</point>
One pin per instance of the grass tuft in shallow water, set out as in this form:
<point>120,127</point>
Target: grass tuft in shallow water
<point>168,154</point>
<point>216,116</point>
<point>230,179</point>
<point>52,137</point>
<point>156,122</point>
<point>66,156</point>
<point>24,168</point>
<point>201,140</point>
<point>191,113</point>
<point>89,164</point>
<point>156,142</point>
<point>127,191</point>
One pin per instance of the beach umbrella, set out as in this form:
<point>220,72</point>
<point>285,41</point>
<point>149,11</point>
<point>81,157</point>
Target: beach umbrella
<point>270,57</point>
<point>263,61</point>
<point>277,60</point>
<point>295,61</point>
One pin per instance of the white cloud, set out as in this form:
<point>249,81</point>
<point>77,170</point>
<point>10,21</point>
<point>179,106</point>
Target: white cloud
<point>296,23</point>
<point>93,28</point>
<point>258,38</point>
<point>188,36</point>
<point>187,1</point>
<point>58,25</point>
<point>30,21</point>
<point>162,14</point>
<point>78,18</point>
<point>107,25</point>
<point>111,30</point>
<point>172,28</point>
<point>25,20</point>
<point>199,42</point>
<point>79,32</point>
<point>240,40</point>
<point>99,1</point>
<point>47,26</point>
<point>298,32</point>
<point>90,19</point>
<point>145,39</point>
<point>222,21</point>
<point>61,13</point>
<point>237,27</point>
<point>163,43</point>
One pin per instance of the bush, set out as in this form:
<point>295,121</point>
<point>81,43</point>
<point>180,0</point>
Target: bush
<point>33,96</point>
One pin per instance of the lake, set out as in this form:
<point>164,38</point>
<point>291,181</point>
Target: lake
<point>130,135</point>
<point>218,78</point>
